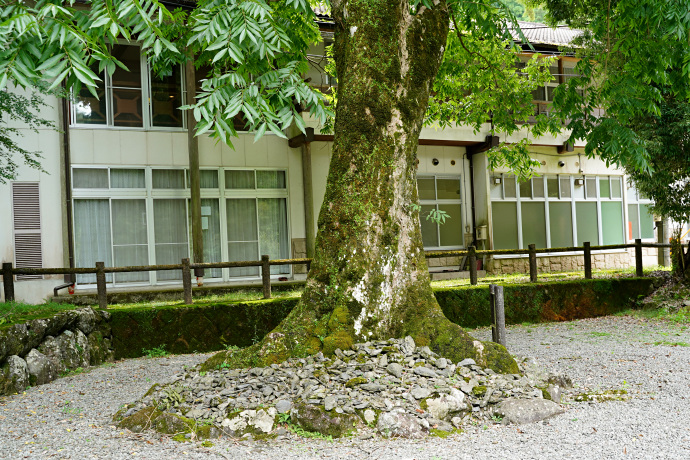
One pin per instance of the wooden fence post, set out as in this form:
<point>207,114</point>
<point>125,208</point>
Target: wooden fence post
<point>187,281</point>
<point>100,286</point>
<point>588,260</point>
<point>266,276</point>
<point>532,263</point>
<point>498,316</point>
<point>473,265</point>
<point>638,257</point>
<point>8,281</point>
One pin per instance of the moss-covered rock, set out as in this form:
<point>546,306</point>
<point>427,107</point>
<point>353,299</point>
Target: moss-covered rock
<point>316,419</point>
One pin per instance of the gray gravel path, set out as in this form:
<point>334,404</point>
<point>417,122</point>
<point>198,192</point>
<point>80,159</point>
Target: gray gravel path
<point>70,418</point>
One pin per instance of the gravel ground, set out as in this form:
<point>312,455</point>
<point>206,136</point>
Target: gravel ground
<point>70,418</point>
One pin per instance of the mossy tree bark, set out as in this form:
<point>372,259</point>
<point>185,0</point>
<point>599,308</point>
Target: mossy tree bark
<point>369,279</point>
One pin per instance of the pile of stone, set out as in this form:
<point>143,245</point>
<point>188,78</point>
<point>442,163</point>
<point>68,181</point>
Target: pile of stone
<point>393,386</point>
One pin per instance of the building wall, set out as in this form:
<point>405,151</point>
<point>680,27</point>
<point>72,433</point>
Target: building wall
<point>47,141</point>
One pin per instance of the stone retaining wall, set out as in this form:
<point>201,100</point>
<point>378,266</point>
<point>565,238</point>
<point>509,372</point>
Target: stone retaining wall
<point>40,350</point>
<point>548,264</point>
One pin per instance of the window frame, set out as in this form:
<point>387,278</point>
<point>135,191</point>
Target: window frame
<point>436,202</point>
<point>573,199</point>
<point>637,202</point>
<point>146,100</point>
<point>149,194</point>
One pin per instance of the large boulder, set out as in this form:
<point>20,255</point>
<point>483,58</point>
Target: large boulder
<point>86,320</point>
<point>41,369</point>
<point>521,411</point>
<point>447,406</point>
<point>398,423</point>
<point>14,375</point>
<point>316,419</point>
<point>74,349</point>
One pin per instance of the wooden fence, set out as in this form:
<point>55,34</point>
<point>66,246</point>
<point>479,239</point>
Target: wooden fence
<point>8,271</point>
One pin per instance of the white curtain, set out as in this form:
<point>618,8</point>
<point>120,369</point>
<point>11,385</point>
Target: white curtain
<point>127,178</point>
<point>168,178</point>
<point>270,179</point>
<point>243,234</point>
<point>273,234</point>
<point>129,238</point>
<point>238,179</point>
<point>170,233</point>
<point>211,234</point>
<point>89,178</point>
<point>92,236</point>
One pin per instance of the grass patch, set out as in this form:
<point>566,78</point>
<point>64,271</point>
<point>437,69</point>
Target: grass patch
<point>155,352</point>
<point>17,312</point>
<point>672,344</point>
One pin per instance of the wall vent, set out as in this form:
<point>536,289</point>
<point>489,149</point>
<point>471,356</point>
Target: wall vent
<point>26,211</point>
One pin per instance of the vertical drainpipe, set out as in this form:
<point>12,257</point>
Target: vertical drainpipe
<point>64,117</point>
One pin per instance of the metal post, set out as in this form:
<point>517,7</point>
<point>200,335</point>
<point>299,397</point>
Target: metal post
<point>266,276</point>
<point>588,260</point>
<point>100,286</point>
<point>187,281</point>
<point>473,265</point>
<point>8,281</point>
<point>532,263</point>
<point>638,257</point>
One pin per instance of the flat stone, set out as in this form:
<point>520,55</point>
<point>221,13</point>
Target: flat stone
<point>330,402</point>
<point>400,424</point>
<point>395,370</point>
<point>420,393</point>
<point>467,362</point>
<point>425,372</point>
<point>521,411</point>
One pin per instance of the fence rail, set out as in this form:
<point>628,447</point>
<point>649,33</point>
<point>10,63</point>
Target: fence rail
<point>8,271</point>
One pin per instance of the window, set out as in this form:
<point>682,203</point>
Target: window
<point>132,98</point>
<point>141,216</point>
<point>640,217</point>
<point>441,193</point>
<point>556,211</point>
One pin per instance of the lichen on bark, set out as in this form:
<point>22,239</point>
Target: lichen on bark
<point>369,278</point>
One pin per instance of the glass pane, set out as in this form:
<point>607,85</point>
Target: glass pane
<point>92,236</point>
<point>604,187</point>
<point>616,187</point>
<point>533,225</point>
<point>170,225</point>
<point>552,184</point>
<point>270,179</point>
<point>127,178</point>
<point>91,110</point>
<point>243,235</point>
<point>509,186</point>
<point>210,230</point>
<point>168,179</point>
<point>591,185</point>
<point>130,244</point>
<point>526,189</point>
<point>451,230</point>
<point>448,189</point>
<point>565,186</point>
<point>539,94</point>
<point>127,108</point>
<point>549,92</point>
<point>496,186</point>
<point>273,232</point>
<point>586,221</point>
<point>612,222</point>
<point>633,222</point>
<point>426,188</point>
<point>504,225</point>
<point>632,193</point>
<point>561,225</point>
<point>209,178</point>
<point>89,178</point>
<point>166,98</point>
<point>129,56</point>
<point>646,222</point>
<point>538,187</point>
<point>578,189</point>
<point>429,227</point>
<point>239,179</point>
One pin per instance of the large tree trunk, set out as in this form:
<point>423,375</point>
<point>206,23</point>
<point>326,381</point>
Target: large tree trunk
<point>369,279</point>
